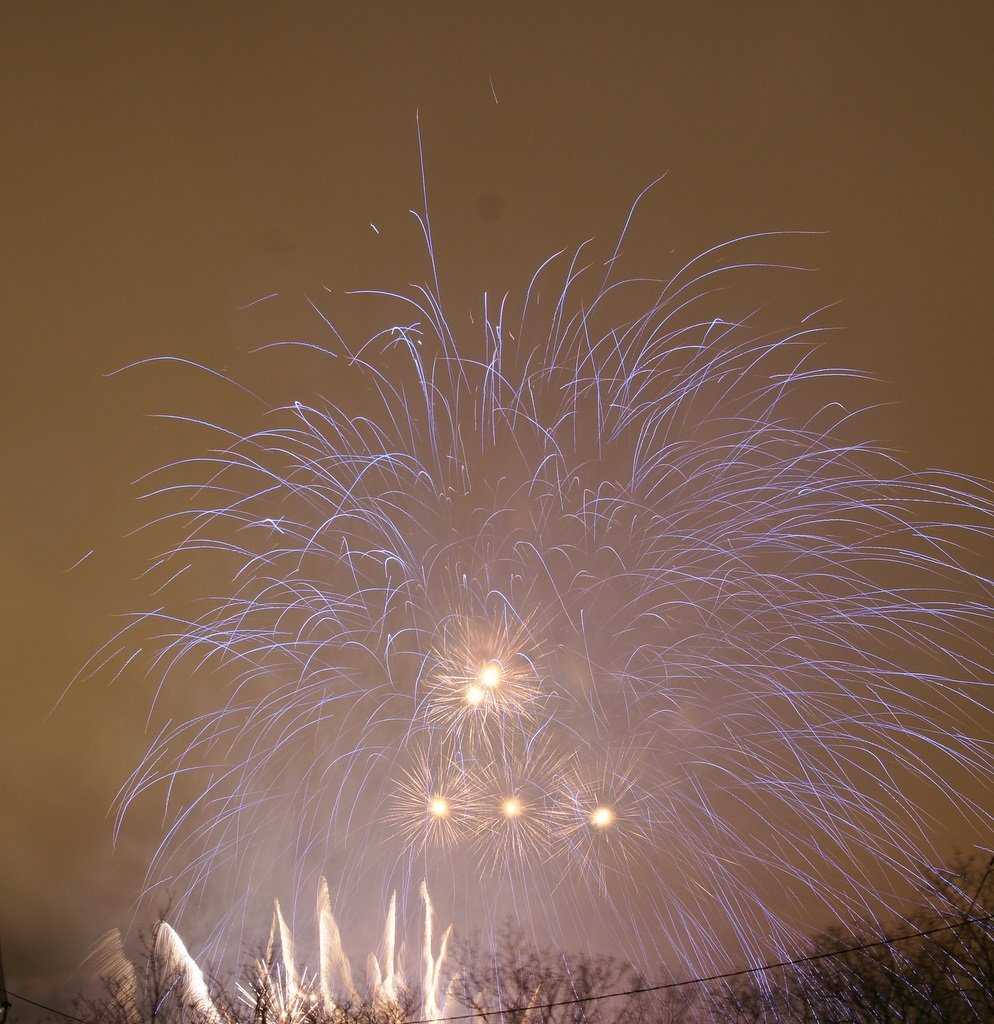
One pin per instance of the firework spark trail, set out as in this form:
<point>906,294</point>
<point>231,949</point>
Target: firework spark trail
<point>276,987</point>
<point>109,962</point>
<point>386,980</point>
<point>173,957</point>
<point>607,617</point>
<point>335,971</point>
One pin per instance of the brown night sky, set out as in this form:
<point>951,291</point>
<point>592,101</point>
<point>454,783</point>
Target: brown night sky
<point>164,165</point>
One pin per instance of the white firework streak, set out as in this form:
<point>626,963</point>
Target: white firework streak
<point>109,962</point>
<point>693,663</point>
<point>335,969</point>
<point>174,959</point>
<point>287,995</point>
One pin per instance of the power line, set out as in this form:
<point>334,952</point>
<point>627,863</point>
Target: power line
<point>701,980</point>
<point>712,977</point>
<point>51,1009</point>
<point>948,950</point>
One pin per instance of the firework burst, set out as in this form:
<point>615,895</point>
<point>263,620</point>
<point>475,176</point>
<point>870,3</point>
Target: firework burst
<point>598,607</point>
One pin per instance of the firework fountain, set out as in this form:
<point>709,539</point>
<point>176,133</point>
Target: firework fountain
<point>275,988</point>
<point>597,612</point>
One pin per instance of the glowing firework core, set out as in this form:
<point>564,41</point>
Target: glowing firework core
<point>439,807</point>
<point>602,817</point>
<point>512,807</point>
<point>490,674</point>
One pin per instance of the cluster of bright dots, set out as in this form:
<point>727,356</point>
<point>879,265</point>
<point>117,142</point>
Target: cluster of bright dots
<point>601,817</point>
<point>488,680</point>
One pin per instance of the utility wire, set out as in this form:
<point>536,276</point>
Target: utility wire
<point>727,976</point>
<point>712,977</point>
<point>51,1009</point>
<point>969,910</point>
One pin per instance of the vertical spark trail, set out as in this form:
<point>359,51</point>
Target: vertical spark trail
<point>600,613</point>
<point>174,959</point>
<point>173,984</point>
<point>109,962</point>
<point>335,970</point>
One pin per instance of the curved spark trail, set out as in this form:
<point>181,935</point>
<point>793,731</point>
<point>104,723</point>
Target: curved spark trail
<point>595,614</point>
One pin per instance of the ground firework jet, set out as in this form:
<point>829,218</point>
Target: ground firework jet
<point>278,988</point>
<point>595,612</point>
